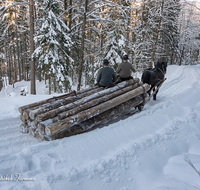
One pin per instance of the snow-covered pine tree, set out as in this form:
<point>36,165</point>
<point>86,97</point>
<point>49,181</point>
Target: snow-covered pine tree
<point>189,27</point>
<point>166,31</point>
<point>141,35</point>
<point>156,30</point>
<point>54,45</point>
<point>113,47</point>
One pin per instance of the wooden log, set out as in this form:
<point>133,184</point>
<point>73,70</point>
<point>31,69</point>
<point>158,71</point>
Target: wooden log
<point>22,118</point>
<point>55,112</point>
<point>84,115</point>
<point>34,124</point>
<point>112,115</point>
<point>97,101</point>
<point>32,131</point>
<point>41,128</point>
<point>26,114</point>
<point>24,128</point>
<point>23,108</point>
<point>32,105</point>
<point>28,121</point>
<point>43,124</point>
<point>39,136</point>
<point>53,105</point>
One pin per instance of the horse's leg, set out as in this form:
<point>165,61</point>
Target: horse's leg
<point>154,96</point>
<point>149,91</point>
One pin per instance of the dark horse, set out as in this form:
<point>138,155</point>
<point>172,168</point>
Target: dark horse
<point>155,76</point>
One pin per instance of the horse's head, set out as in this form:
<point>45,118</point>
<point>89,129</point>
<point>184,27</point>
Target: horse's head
<point>164,67</point>
<point>161,66</point>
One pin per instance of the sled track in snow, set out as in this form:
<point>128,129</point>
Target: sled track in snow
<point>180,81</point>
<point>103,154</point>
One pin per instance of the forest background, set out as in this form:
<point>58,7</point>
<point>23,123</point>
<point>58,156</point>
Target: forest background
<point>64,42</point>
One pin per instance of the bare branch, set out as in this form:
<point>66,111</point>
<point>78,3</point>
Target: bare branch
<point>17,3</point>
<point>185,2</point>
<point>187,159</point>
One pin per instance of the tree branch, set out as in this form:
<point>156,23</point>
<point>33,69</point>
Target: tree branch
<point>17,3</point>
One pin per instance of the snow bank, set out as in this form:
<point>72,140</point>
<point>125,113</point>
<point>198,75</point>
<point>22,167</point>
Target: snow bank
<point>145,151</point>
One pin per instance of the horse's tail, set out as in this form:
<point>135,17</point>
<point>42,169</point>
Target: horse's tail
<point>145,77</point>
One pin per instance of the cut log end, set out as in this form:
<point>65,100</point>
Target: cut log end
<point>24,128</point>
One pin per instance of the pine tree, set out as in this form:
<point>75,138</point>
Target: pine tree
<point>156,30</point>
<point>53,46</point>
<point>189,43</point>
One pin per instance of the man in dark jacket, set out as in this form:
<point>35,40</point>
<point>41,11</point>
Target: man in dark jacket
<point>124,69</point>
<point>106,75</point>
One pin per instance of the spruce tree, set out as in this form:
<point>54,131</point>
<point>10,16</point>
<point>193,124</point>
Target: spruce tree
<point>54,45</point>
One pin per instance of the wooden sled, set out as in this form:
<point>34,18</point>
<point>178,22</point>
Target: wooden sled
<point>79,112</point>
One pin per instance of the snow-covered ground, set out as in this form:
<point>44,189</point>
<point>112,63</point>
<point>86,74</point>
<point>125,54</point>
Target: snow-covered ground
<point>147,151</point>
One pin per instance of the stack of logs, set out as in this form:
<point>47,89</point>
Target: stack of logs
<point>78,112</point>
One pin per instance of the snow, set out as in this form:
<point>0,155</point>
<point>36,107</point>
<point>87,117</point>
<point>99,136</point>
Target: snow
<point>146,151</point>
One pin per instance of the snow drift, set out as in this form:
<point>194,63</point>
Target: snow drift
<point>150,150</point>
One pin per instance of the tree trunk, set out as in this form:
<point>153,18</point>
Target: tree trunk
<point>57,107</point>
<point>49,84</point>
<point>36,104</point>
<point>42,102</point>
<point>70,15</point>
<point>80,100</point>
<point>96,101</point>
<point>15,64</point>
<point>84,115</point>
<point>18,54</point>
<point>10,67</point>
<point>112,115</point>
<point>82,47</point>
<point>128,31</point>
<point>157,35</point>
<point>33,90</point>
<point>65,8</point>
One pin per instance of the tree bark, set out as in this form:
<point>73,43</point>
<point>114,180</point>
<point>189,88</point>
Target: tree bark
<point>65,8</point>
<point>65,107</point>
<point>70,15</point>
<point>17,44</point>
<point>33,88</point>
<point>55,98</point>
<point>24,128</point>
<point>82,47</point>
<point>56,104</point>
<point>157,34</point>
<point>112,115</point>
<point>96,101</point>
<point>36,104</point>
<point>84,115</point>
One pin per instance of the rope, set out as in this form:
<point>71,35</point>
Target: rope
<point>162,72</point>
<point>111,85</point>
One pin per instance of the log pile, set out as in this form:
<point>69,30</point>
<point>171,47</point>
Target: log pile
<point>78,112</point>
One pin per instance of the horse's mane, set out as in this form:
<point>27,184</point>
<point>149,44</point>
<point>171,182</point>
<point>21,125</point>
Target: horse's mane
<point>160,64</point>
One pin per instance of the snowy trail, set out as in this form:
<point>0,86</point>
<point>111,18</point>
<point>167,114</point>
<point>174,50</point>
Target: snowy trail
<point>180,80</point>
<point>132,154</point>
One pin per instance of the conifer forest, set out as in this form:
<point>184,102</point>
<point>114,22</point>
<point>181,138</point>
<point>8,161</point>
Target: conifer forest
<point>64,42</point>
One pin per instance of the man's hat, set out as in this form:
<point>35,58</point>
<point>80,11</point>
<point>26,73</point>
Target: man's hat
<point>105,61</point>
<point>125,57</point>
